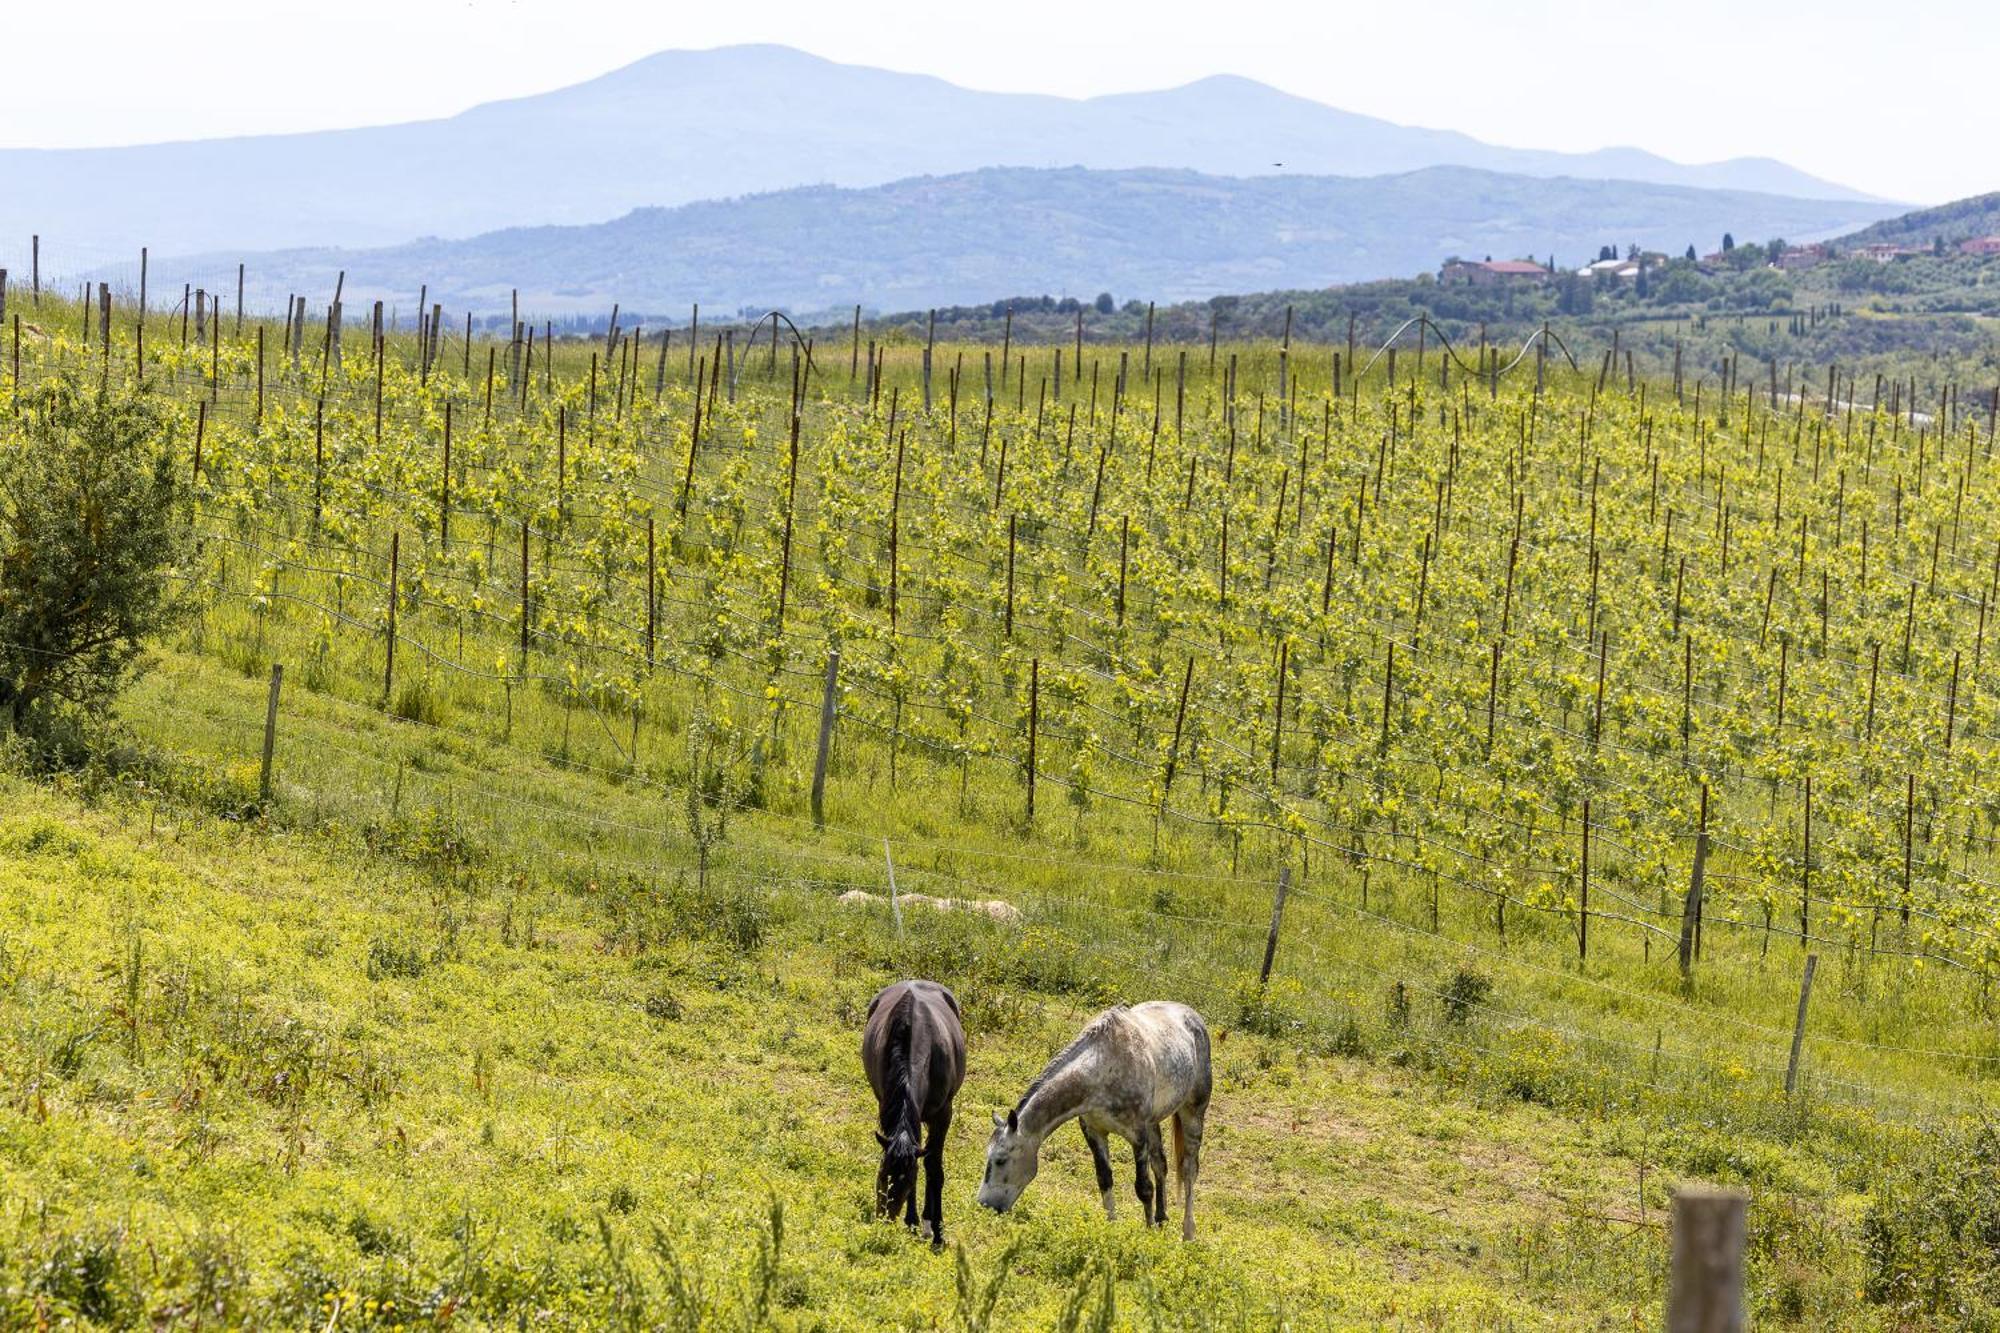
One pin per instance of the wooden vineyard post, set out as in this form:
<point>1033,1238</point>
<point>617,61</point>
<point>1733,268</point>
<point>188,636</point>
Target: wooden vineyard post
<point>1277,918</point>
<point>791,492</point>
<point>1691,909</point>
<point>1951,704</point>
<point>1492,694</point>
<point>524,595</point>
<point>1278,719</point>
<point>694,441</point>
<point>270,732</point>
<point>1909,821</point>
<point>1124,547</point>
<point>895,505</point>
<point>1388,693</point>
<point>1874,670</point>
<point>930,345</point>
<point>1705,1290</point>
<point>1174,748</point>
<point>1583,896</point>
<point>1597,715</point>
<point>1034,725</point>
<point>319,460</point>
<point>389,657</point>
<point>895,899</point>
<point>653,584</point>
<point>1799,1024</point>
<point>1805,873</point>
<point>444,486</point>
<point>828,707</point>
<point>1010,574</point>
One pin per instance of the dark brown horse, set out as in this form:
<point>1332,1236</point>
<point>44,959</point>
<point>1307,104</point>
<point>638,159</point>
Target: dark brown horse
<point>914,1051</point>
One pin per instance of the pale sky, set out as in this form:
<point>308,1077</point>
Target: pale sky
<point>1891,98</point>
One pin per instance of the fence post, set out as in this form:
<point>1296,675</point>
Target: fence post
<point>828,706</point>
<point>389,659</point>
<point>270,732</point>
<point>895,900</point>
<point>1034,725</point>
<point>1691,909</point>
<point>1583,897</point>
<point>1799,1025</point>
<point>1705,1291</point>
<point>1277,916</point>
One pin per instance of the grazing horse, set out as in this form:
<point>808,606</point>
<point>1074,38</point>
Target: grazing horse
<point>914,1051</point>
<point>1125,1073</point>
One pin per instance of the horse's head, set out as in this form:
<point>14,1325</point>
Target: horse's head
<point>1011,1162</point>
<point>896,1178</point>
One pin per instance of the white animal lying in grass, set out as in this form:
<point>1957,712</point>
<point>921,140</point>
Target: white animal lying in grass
<point>988,907</point>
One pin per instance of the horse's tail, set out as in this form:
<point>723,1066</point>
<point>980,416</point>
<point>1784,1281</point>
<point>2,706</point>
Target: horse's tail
<point>1180,1151</point>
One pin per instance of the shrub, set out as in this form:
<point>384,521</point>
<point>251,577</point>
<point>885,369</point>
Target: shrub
<point>1932,1235</point>
<point>1467,990</point>
<point>386,958</point>
<point>92,529</point>
<point>1270,1011</point>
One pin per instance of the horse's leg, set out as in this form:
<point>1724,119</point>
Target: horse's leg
<point>1156,1156</point>
<point>1100,1156</point>
<point>934,1175</point>
<point>1142,1183</point>
<point>1187,1147</point>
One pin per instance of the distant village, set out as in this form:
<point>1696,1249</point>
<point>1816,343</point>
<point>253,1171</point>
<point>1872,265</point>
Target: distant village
<point>1492,272</point>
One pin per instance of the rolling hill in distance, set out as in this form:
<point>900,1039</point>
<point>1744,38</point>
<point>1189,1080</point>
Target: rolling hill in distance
<point>682,126</point>
<point>1959,220</point>
<point>1154,234</point>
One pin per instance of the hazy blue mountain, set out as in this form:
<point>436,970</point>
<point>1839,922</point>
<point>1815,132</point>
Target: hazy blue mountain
<point>681,126</point>
<point>935,240</point>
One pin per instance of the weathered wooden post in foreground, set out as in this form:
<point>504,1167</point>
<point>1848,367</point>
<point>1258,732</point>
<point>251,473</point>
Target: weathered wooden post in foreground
<point>828,706</point>
<point>270,732</point>
<point>1799,1025</point>
<point>1277,918</point>
<point>1705,1291</point>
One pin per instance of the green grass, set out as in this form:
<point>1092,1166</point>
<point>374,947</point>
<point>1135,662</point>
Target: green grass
<point>533,953</point>
<point>361,1035</point>
<point>255,1070</point>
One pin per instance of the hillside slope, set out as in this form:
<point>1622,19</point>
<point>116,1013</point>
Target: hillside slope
<point>261,1071</point>
<point>1955,221</point>
<point>1166,235</point>
<point>680,126</point>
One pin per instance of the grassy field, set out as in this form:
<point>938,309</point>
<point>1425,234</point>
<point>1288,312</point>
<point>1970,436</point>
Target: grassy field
<point>526,996</point>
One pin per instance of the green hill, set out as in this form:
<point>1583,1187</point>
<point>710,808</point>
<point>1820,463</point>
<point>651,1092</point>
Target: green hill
<point>1959,220</point>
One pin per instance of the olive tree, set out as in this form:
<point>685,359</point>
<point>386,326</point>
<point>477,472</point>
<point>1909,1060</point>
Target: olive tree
<point>92,535</point>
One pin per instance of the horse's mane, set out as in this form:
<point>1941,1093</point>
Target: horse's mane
<point>1090,1034</point>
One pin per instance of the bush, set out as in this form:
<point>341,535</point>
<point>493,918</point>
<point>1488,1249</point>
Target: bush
<point>1467,990</point>
<point>1932,1235</point>
<point>92,527</point>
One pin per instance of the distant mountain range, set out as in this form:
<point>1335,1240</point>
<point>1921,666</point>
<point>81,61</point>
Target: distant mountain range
<point>939,240</point>
<point>682,126</point>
